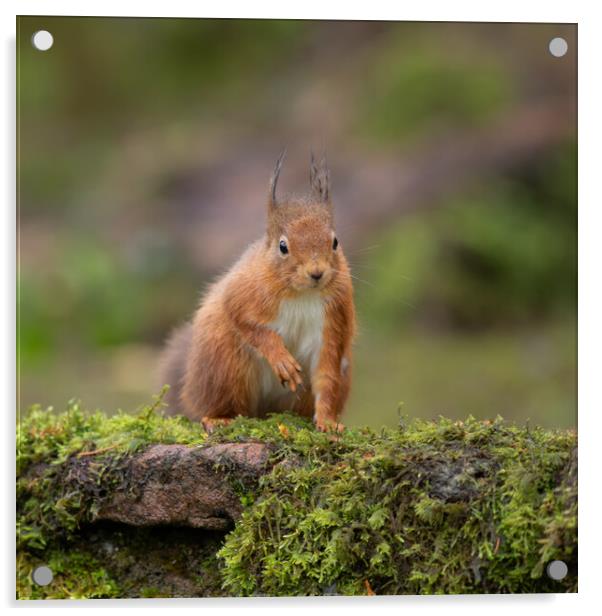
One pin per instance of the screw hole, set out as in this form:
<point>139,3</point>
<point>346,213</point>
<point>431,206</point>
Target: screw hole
<point>42,576</point>
<point>42,40</point>
<point>558,47</point>
<point>557,570</point>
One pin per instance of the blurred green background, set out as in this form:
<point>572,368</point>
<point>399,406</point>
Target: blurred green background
<point>144,151</point>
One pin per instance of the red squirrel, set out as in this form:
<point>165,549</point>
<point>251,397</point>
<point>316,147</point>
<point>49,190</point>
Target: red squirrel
<point>274,333</point>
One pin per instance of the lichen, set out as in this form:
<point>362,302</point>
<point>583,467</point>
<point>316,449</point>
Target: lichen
<point>429,507</point>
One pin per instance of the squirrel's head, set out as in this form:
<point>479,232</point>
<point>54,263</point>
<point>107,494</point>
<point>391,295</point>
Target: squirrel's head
<point>300,238</point>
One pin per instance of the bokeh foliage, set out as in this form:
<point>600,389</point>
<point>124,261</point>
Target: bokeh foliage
<point>121,119</point>
<point>503,253</point>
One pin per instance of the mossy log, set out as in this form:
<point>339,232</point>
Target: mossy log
<point>143,505</point>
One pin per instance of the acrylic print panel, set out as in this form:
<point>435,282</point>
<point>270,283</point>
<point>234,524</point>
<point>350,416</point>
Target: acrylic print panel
<point>346,373</point>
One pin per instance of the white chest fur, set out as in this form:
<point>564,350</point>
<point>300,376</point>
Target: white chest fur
<point>300,323</point>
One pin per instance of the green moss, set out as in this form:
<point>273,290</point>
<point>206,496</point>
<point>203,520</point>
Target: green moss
<point>434,507</point>
<point>429,507</point>
<point>44,436</point>
<point>52,501</point>
<point>77,575</point>
<point>55,504</point>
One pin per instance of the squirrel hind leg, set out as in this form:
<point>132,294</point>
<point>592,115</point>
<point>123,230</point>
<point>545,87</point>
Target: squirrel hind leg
<point>172,367</point>
<point>211,423</point>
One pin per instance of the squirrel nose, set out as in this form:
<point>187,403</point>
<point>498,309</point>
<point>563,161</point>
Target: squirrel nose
<point>316,274</point>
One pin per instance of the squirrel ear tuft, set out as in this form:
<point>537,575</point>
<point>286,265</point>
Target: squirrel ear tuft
<point>274,180</point>
<point>319,178</point>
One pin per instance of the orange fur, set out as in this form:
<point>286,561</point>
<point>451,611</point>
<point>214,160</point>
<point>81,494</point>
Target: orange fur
<point>221,365</point>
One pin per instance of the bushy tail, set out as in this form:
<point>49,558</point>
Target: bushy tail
<point>172,366</point>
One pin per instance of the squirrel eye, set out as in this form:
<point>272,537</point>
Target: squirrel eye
<point>283,247</point>
<point>335,243</point>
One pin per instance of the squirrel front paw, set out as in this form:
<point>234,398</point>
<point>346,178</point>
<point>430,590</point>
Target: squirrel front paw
<point>286,369</point>
<point>328,425</point>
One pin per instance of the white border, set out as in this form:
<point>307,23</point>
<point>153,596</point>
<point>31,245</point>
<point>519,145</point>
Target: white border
<point>590,304</point>
<point>512,10</point>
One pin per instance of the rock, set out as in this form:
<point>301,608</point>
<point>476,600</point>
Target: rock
<point>179,485</point>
